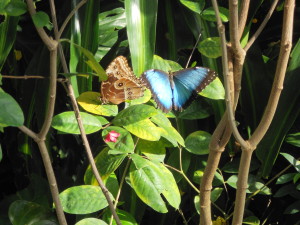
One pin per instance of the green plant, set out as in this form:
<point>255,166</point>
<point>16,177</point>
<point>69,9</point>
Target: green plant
<point>131,163</point>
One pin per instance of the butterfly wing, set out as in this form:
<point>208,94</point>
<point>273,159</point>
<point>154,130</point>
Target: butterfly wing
<point>121,84</point>
<point>159,84</point>
<point>188,82</point>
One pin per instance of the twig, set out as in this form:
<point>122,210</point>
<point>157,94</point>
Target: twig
<point>243,13</point>
<point>63,26</point>
<point>285,49</point>
<point>286,44</point>
<point>52,46</point>
<point>262,26</point>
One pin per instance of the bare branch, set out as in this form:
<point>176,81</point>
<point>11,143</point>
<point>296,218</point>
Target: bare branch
<point>243,14</point>
<point>285,49</point>
<point>63,26</point>
<point>262,26</point>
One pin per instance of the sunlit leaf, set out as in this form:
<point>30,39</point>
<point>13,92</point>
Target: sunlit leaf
<point>144,129</point>
<point>151,180</point>
<point>215,90</point>
<point>134,114</point>
<point>209,14</point>
<point>210,47</point>
<point>67,123</point>
<point>106,164</point>
<point>90,101</point>
<point>198,142</point>
<point>83,199</point>
<point>90,221</point>
<point>194,5</point>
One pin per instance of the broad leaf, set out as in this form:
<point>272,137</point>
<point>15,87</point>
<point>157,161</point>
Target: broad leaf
<point>106,164</point>
<point>24,212</point>
<point>198,142</point>
<point>67,123</point>
<point>144,129</point>
<point>151,180</point>
<point>124,143</point>
<point>134,114</point>
<point>90,101</point>
<point>210,47</point>
<point>83,199</point>
<point>11,113</point>
<point>91,221</point>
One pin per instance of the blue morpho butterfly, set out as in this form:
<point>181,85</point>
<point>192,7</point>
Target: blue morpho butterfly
<point>177,90</point>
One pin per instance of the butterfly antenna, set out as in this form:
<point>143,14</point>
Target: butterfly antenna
<point>188,62</point>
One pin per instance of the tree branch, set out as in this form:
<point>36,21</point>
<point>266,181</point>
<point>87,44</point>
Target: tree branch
<point>285,49</point>
<point>243,14</point>
<point>262,26</point>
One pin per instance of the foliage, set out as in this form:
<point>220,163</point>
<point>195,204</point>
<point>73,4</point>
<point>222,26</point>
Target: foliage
<point>156,164</point>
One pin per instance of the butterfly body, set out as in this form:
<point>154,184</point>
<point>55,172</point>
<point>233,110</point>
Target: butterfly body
<point>176,90</point>
<point>121,84</point>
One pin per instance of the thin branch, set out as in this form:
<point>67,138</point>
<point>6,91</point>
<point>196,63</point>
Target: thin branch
<point>52,182</point>
<point>285,49</point>
<point>52,46</point>
<point>50,43</point>
<point>63,26</point>
<point>243,14</point>
<point>29,132</point>
<point>52,94</point>
<point>89,153</point>
<point>233,24</point>
<point>262,26</point>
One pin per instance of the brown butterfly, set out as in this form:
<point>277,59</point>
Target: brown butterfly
<point>121,84</point>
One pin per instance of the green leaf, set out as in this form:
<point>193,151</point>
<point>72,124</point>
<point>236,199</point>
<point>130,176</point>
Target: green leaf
<point>134,114</point>
<point>83,199</point>
<point>292,161</point>
<point>24,212</point>
<point>106,164</point>
<point>91,221</point>
<point>199,109</point>
<point>293,208</point>
<point>293,139</point>
<point>90,101</point>
<point>287,112</point>
<point>15,8</point>
<point>286,190</point>
<point>8,30</point>
<point>41,19</point>
<point>67,123</point>
<point>141,31</point>
<point>216,193</point>
<point>285,178</point>
<point>11,113</point>
<point>144,129</point>
<point>209,14</point>
<point>151,180</point>
<point>145,98</point>
<point>215,90</point>
<point>254,184</point>
<point>198,142</point>
<point>168,131</point>
<point>251,220</point>
<point>92,62</point>
<point>154,150</point>
<point>125,217</point>
<point>194,5</point>
<point>210,47</point>
<point>124,143</point>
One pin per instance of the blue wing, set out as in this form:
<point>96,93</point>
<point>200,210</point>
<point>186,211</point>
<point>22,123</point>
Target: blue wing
<point>188,82</point>
<point>159,84</point>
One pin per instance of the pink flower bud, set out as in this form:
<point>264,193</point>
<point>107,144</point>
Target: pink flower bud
<point>112,136</point>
